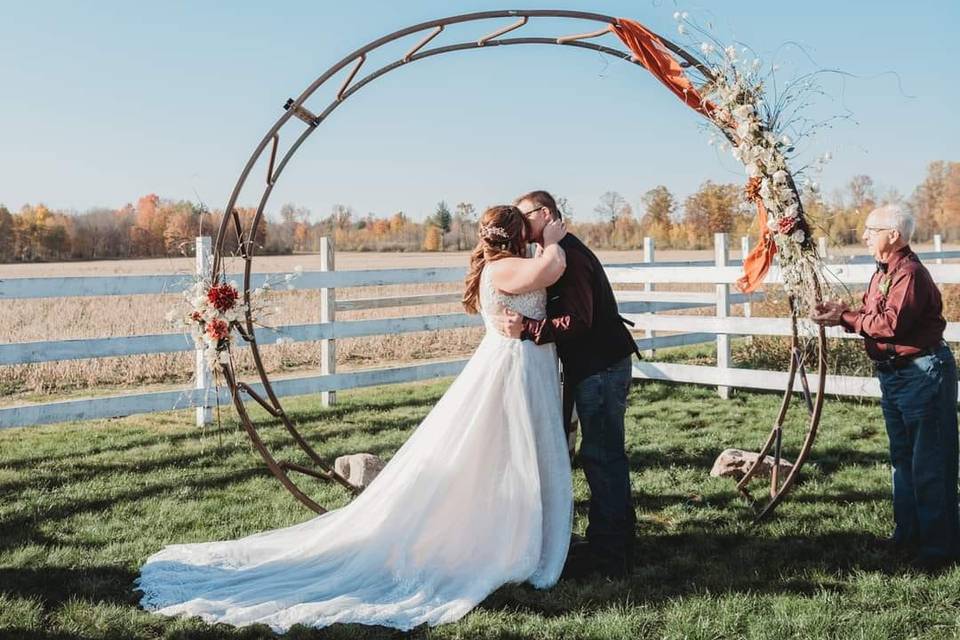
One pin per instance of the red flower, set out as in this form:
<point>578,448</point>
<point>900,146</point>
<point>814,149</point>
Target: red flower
<point>196,316</point>
<point>222,296</point>
<point>218,329</point>
<point>787,225</point>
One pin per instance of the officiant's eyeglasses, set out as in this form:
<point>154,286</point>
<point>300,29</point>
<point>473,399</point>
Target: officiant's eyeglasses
<point>877,229</point>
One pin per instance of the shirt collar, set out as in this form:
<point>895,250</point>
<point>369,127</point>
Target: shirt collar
<point>895,259</point>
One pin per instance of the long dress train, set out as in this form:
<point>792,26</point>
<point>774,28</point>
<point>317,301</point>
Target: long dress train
<point>480,495</point>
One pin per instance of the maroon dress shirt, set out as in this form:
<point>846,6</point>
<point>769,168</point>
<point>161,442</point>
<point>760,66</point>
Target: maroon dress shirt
<point>902,312</point>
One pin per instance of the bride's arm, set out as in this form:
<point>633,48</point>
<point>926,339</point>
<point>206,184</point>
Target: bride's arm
<point>520,275</point>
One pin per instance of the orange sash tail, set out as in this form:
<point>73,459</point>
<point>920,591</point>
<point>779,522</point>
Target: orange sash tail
<point>756,265</point>
<point>650,51</point>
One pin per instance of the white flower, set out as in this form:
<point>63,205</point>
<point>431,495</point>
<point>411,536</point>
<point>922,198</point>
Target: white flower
<point>706,48</point>
<point>731,53</point>
<point>780,177</point>
<point>791,211</point>
<point>786,141</point>
<point>743,112</point>
<point>765,191</point>
<point>798,236</point>
<point>676,15</point>
<point>753,170</point>
<point>682,30</point>
<point>772,224</point>
<point>684,15</point>
<point>744,129</point>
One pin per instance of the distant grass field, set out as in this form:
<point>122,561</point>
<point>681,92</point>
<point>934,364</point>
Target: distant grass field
<point>82,505</point>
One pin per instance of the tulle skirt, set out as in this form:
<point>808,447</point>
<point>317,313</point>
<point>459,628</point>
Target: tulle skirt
<point>480,495</point>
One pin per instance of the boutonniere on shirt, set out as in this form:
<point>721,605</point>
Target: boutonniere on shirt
<point>885,286</point>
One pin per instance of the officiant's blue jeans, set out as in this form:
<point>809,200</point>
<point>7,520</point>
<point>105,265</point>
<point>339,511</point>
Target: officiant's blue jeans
<point>920,410</point>
<point>601,403</point>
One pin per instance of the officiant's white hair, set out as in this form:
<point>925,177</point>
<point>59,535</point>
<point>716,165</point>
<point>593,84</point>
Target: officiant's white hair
<point>898,218</point>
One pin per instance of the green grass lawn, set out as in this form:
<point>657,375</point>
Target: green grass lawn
<point>82,505</point>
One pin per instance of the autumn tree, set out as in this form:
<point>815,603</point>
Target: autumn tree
<point>463,227</point>
<point>714,208</point>
<point>433,239</point>
<point>179,234</point>
<point>612,205</point>
<point>659,207</point>
<point>7,239</point>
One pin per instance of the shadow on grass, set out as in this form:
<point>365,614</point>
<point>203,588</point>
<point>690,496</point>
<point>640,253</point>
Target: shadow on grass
<point>315,421</point>
<point>54,585</point>
<point>26,529</point>
<point>690,564</point>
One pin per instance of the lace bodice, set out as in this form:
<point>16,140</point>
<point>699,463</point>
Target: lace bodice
<point>531,305</point>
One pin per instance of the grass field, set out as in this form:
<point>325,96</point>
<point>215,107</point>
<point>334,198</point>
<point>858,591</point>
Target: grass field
<point>84,504</point>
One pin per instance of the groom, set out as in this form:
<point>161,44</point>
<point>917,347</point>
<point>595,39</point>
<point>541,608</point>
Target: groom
<point>596,350</point>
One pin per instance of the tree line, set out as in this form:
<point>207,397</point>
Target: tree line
<point>155,227</point>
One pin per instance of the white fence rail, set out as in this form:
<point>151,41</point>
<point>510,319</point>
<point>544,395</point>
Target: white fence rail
<point>640,307</point>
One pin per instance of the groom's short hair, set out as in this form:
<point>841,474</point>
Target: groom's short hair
<point>542,199</point>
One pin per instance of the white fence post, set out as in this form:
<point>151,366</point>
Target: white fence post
<point>822,247</point>
<point>648,258</point>
<point>203,379</point>
<point>328,303</point>
<point>721,258</point>
<point>938,246</point>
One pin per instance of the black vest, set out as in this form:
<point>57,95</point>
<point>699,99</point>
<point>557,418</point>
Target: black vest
<point>608,341</point>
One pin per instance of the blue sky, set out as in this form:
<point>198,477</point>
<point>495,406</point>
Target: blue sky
<point>101,102</point>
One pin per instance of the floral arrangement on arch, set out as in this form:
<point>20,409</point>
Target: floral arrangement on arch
<point>215,311</point>
<point>760,133</point>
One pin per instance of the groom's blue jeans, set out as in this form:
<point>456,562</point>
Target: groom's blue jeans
<point>601,403</point>
<point>920,410</point>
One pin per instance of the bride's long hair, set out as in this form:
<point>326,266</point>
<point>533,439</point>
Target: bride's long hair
<point>501,234</point>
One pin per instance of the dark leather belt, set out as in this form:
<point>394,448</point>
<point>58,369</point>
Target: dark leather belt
<point>899,362</point>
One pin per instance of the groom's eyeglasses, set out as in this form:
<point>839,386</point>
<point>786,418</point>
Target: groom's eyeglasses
<point>534,210</point>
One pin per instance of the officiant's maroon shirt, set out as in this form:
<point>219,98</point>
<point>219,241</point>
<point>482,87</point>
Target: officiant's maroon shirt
<point>904,320</point>
<point>582,318</point>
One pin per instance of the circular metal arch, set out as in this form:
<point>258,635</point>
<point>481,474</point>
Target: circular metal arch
<point>296,109</point>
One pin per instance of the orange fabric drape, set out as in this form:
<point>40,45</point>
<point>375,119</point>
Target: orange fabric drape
<point>756,265</point>
<point>650,51</point>
<point>652,54</point>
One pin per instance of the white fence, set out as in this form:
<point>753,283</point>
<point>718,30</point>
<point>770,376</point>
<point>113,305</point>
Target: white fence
<point>641,307</point>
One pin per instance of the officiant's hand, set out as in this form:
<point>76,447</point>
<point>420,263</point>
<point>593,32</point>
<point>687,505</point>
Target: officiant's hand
<point>509,324</point>
<point>829,312</point>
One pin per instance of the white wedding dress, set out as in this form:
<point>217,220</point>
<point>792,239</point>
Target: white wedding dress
<point>479,496</point>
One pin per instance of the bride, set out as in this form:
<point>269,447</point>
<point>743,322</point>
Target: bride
<point>479,496</point>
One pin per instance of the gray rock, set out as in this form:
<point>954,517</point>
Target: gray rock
<point>733,463</point>
<point>359,468</point>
